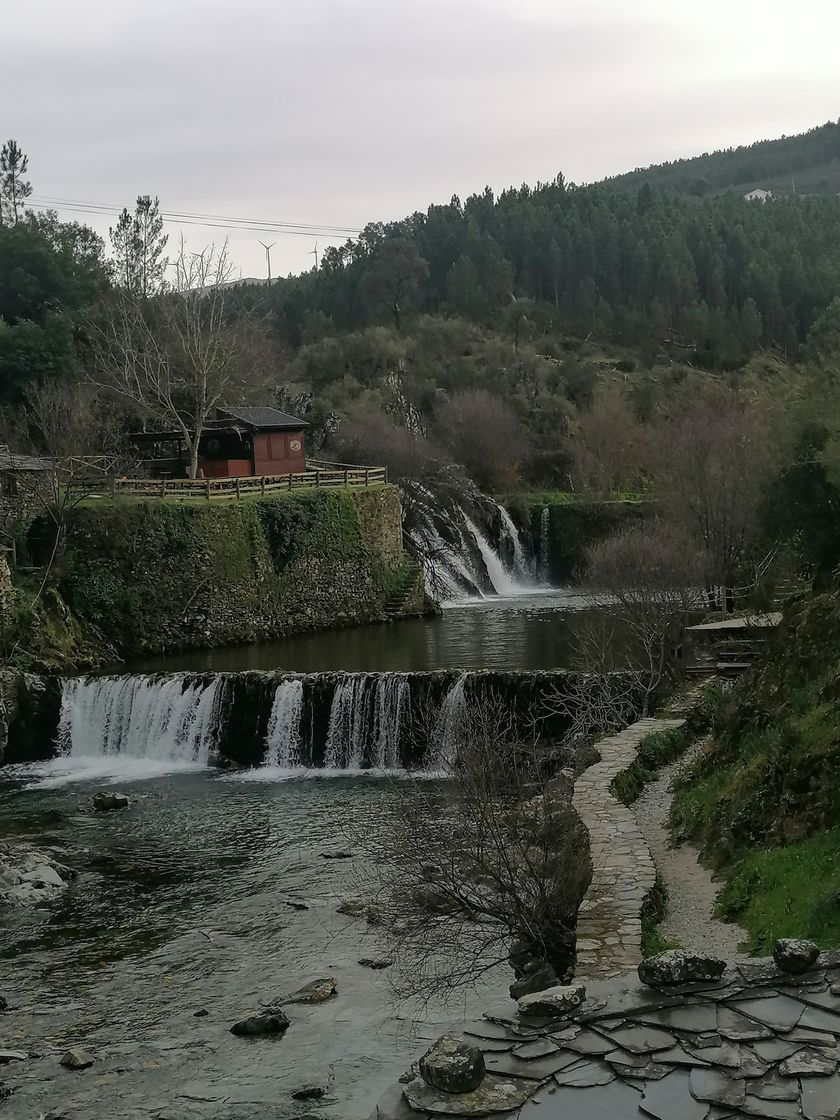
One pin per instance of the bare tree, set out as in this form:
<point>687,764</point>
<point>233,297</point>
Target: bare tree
<point>647,577</point>
<point>713,457</point>
<point>462,868</point>
<point>79,438</point>
<point>178,356</point>
<point>608,444</point>
<point>484,434</point>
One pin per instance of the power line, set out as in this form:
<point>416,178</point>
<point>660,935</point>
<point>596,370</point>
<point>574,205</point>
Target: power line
<point>213,221</point>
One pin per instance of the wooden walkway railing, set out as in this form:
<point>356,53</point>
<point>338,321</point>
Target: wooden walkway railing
<point>315,476</point>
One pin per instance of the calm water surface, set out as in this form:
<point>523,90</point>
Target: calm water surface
<point>534,631</point>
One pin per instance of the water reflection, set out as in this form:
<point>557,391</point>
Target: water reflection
<point>533,631</point>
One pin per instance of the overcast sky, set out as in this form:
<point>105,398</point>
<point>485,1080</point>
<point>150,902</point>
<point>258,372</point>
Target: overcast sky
<point>340,112</point>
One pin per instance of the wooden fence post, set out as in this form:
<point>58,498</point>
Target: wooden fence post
<point>262,485</point>
<point>163,487</point>
<point>237,488</point>
<point>208,489</point>
<point>346,477</point>
<point>317,479</point>
<point>367,477</point>
<point>290,481</point>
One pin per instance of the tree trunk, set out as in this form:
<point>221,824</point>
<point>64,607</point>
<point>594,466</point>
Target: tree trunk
<point>193,472</point>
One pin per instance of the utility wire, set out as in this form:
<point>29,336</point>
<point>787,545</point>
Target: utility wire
<point>215,221</point>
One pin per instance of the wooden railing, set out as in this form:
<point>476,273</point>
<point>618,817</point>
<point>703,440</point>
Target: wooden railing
<point>315,476</point>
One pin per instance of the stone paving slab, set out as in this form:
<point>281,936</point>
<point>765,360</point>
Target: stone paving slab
<point>609,930</point>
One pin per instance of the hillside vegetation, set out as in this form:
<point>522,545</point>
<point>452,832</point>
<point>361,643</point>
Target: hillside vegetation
<point>763,800</point>
<point>807,164</point>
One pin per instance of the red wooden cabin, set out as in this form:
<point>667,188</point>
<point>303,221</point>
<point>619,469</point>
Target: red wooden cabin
<point>241,442</point>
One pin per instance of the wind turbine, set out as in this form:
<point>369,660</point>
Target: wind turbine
<point>268,249</point>
<point>314,254</point>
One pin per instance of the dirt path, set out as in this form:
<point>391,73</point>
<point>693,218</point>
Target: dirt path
<point>691,891</point>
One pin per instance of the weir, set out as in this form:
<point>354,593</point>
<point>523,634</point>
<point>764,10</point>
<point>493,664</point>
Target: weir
<point>333,721</point>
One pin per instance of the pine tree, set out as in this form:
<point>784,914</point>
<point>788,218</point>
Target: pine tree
<point>14,189</point>
<point>138,242</point>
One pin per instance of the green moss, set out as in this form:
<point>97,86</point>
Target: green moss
<point>158,575</point>
<point>655,751</point>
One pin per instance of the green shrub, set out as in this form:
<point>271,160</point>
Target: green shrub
<point>656,750</point>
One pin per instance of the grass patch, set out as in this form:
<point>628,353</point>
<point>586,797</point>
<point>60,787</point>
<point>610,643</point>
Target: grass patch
<point>656,750</point>
<point>653,912</point>
<point>787,892</point>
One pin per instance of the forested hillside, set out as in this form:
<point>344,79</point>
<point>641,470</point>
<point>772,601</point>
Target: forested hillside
<point>804,164</point>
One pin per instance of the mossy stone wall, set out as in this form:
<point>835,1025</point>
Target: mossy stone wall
<point>156,576</point>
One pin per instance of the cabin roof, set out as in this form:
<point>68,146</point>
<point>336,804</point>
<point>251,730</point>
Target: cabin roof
<point>262,418</point>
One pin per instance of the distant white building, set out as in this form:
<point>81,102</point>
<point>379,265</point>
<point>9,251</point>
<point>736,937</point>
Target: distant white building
<point>758,195</point>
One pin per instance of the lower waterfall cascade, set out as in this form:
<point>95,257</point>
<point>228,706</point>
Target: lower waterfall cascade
<point>343,722</point>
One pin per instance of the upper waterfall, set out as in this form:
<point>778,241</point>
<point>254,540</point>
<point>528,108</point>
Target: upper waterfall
<point>468,544</point>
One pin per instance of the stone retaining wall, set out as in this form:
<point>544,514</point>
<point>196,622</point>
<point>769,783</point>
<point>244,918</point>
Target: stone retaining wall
<point>609,930</point>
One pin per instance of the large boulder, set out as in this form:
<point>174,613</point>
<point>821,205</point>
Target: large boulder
<point>680,966</point>
<point>793,954</point>
<point>452,1065</point>
<point>266,1022</point>
<point>553,1003</point>
<point>107,802</point>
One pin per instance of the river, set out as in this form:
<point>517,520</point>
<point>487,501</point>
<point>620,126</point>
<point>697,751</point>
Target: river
<point>181,905</point>
<point>534,630</point>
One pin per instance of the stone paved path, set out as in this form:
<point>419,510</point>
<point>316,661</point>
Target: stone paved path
<point>691,891</point>
<point>609,933</point>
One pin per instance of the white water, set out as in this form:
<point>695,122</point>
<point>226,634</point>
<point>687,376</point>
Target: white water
<point>131,728</point>
<point>362,704</point>
<point>503,582</point>
<point>448,728</point>
<point>523,568</point>
<point>544,563</point>
<point>282,740</point>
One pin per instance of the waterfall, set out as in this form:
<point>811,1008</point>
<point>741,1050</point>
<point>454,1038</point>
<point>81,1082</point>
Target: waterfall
<point>145,717</point>
<point>366,719</point>
<point>393,697</point>
<point>523,568</point>
<point>544,565</point>
<point>282,740</point>
<point>448,726</point>
<point>503,582</point>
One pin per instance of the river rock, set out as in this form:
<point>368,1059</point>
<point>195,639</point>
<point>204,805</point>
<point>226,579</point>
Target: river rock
<point>553,1002</point>
<point>309,1093</point>
<point>453,1065</point>
<point>337,855</point>
<point>4,1005</point>
<point>7,1056</point>
<point>794,954</point>
<point>680,966</point>
<point>538,976</point>
<point>316,991</point>
<point>266,1022</point>
<point>494,1095</point>
<point>376,963</point>
<point>29,877</point>
<point>107,802</point>
<point>77,1059</point>
<point>352,907</point>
